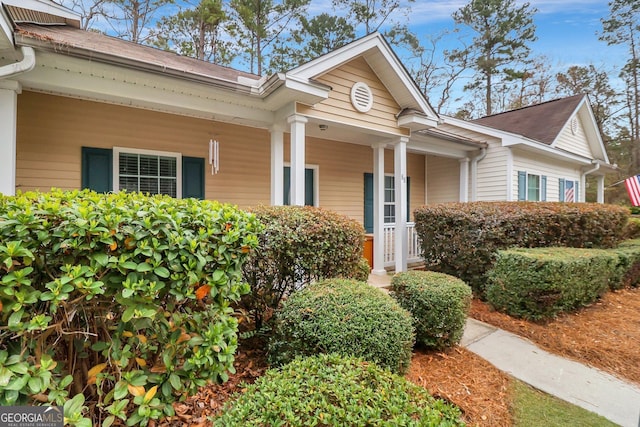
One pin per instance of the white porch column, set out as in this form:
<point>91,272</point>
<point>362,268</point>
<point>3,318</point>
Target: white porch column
<point>9,91</point>
<point>277,165</point>
<point>378,210</point>
<point>600,180</point>
<point>464,179</point>
<point>400,178</point>
<point>297,123</point>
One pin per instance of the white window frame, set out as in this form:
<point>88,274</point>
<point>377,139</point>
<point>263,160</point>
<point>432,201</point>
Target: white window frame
<point>316,181</point>
<point>125,150</point>
<point>575,194</point>
<point>539,176</point>
<point>393,203</point>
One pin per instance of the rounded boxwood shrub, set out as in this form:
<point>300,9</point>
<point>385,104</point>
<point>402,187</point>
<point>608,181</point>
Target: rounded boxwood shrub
<point>118,300</point>
<point>332,390</point>
<point>346,317</point>
<point>439,304</point>
<point>300,245</point>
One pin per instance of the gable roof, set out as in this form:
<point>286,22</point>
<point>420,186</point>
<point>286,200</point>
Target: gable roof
<point>384,62</point>
<point>541,122</point>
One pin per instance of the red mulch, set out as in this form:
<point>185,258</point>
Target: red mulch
<point>605,335</point>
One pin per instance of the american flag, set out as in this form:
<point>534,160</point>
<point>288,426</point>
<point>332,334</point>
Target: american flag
<point>633,188</point>
<point>569,192</point>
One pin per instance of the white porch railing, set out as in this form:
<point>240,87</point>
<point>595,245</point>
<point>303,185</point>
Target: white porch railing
<point>413,252</point>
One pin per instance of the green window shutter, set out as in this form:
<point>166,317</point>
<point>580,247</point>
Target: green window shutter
<point>408,199</point>
<point>522,185</point>
<point>97,169</point>
<point>286,197</point>
<point>543,188</point>
<point>309,187</point>
<point>368,202</point>
<point>309,198</point>
<point>193,177</point>
<point>561,190</point>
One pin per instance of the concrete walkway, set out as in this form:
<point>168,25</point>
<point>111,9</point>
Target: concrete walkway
<point>589,388</point>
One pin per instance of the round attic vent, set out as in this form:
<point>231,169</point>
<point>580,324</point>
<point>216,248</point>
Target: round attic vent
<point>361,97</point>
<point>574,126</point>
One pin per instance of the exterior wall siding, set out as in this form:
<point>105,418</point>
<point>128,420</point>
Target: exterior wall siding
<point>552,169</point>
<point>443,180</point>
<point>52,130</point>
<point>492,174</point>
<point>338,108</point>
<point>574,143</point>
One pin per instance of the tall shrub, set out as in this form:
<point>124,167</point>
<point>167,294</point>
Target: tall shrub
<point>123,298</point>
<point>462,239</point>
<point>300,245</point>
<point>438,303</point>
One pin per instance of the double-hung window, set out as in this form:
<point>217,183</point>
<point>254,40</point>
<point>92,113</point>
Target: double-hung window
<point>568,190</point>
<point>152,172</point>
<point>532,187</point>
<point>389,200</point>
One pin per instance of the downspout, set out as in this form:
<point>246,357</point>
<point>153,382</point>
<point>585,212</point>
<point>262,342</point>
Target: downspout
<point>28,63</point>
<point>583,181</point>
<point>474,173</point>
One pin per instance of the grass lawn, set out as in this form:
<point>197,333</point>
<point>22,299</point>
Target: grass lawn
<point>532,407</point>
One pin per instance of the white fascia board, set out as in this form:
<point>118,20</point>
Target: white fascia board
<point>6,31</point>
<point>436,150</point>
<point>316,90</point>
<point>106,83</point>
<point>45,6</point>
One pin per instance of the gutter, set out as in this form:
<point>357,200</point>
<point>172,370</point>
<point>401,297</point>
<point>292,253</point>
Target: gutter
<point>27,64</point>
<point>474,173</point>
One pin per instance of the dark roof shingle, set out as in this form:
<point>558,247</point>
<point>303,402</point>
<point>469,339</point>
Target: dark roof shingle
<point>541,122</point>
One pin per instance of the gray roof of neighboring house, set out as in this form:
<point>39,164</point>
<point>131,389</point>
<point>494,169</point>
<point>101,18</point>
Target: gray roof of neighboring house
<point>541,122</point>
<point>63,37</point>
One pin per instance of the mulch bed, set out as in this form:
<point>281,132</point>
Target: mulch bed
<point>605,335</point>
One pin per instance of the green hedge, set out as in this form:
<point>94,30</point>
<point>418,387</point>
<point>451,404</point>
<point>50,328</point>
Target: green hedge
<point>540,283</point>
<point>462,239</point>
<point>628,264</point>
<point>122,297</point>
<point>346,317</point>
<point>330,390</point>
<point>300,245</point>
<point>439,304</point>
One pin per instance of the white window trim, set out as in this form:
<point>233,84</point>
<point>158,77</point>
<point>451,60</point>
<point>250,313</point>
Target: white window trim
<point>116,165</point>
<point>316,181</point>
<point>575,195</point>
<point>385,203</point>
<point>527,173</point>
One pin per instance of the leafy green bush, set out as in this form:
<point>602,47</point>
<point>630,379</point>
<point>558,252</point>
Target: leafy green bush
<point>300,245</point>
<point>462,239</point>
<point>345,317</point>
<point>439,304</point>
<point>628,264</point>
<point>632,229</point>
<point>331,390</point>
<point>540,283</point>
<point>121,297</point>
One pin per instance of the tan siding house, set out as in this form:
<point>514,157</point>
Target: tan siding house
<point>348,131</point>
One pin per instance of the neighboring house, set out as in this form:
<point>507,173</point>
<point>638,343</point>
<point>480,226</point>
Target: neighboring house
<point>348,131</point>
<point>540,153</point>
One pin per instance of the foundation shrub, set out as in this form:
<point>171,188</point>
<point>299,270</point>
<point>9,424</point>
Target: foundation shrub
<point>628,264</point>
<point>117,305</point>
<point>334,390</point>
<point>300,245</point>
<point>632,228</point>
<point>346,317</point>
<point>438,303</point>
<point>462,239</point>
<point>542,282</point>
